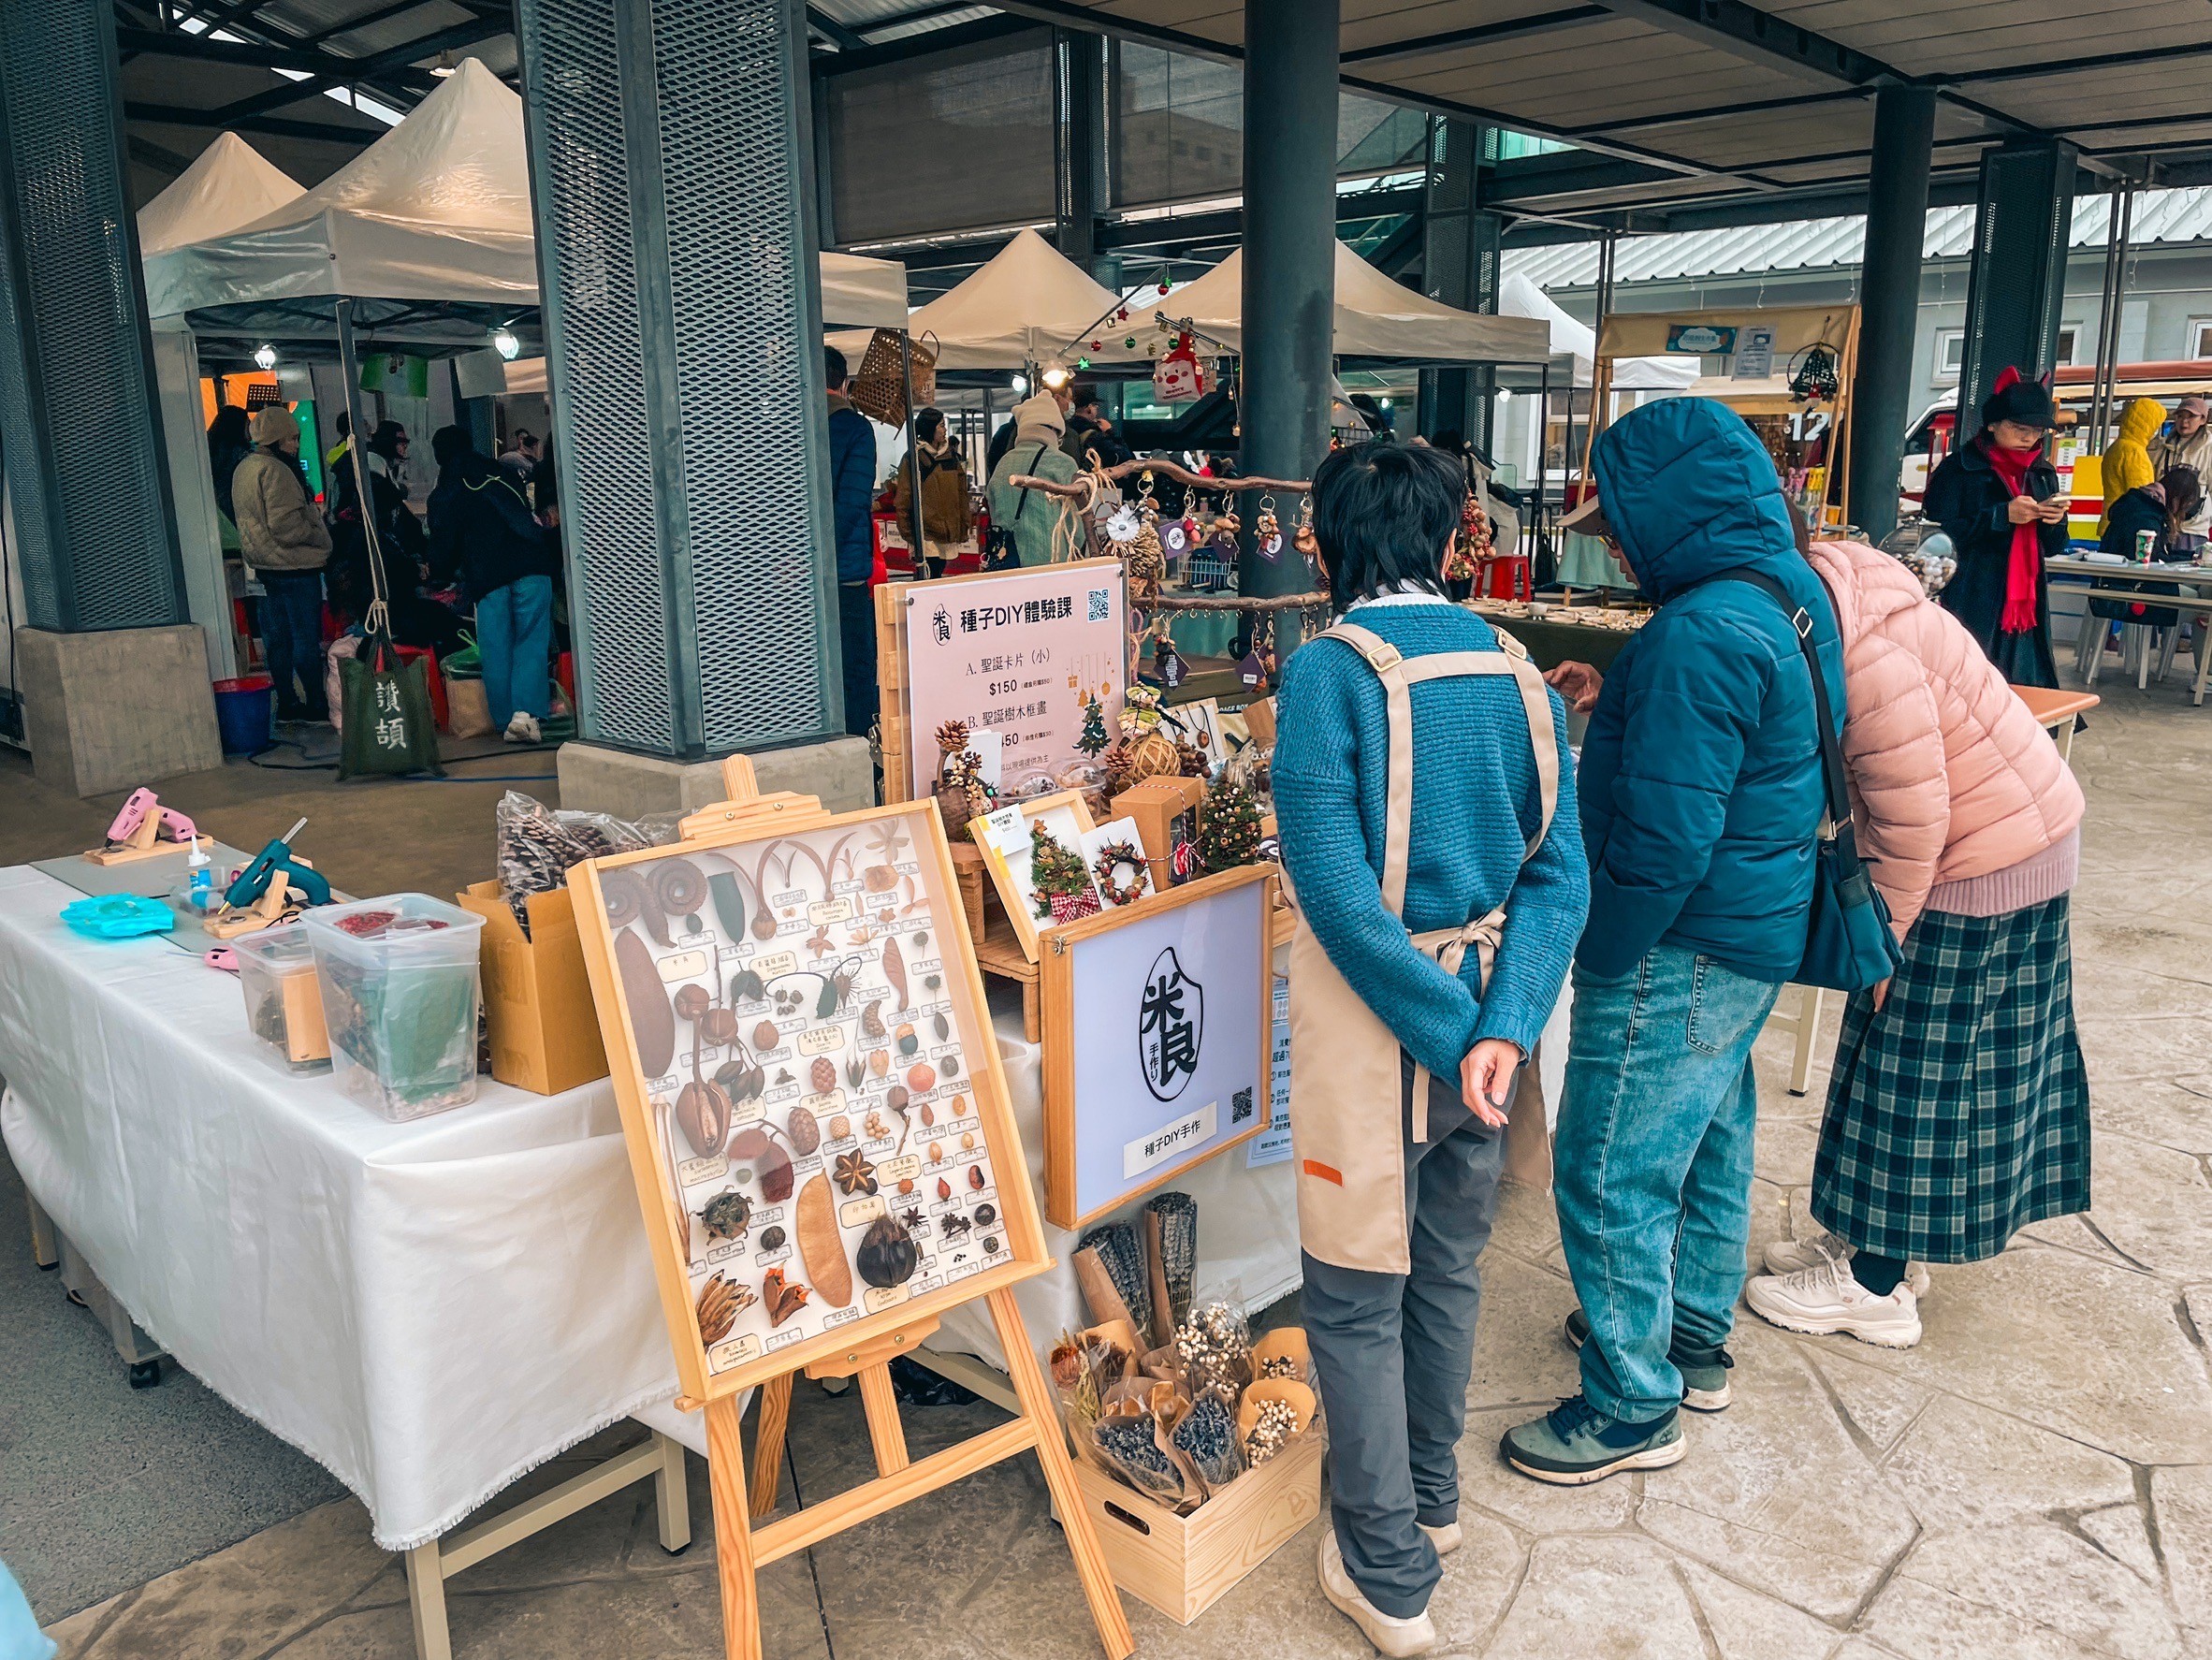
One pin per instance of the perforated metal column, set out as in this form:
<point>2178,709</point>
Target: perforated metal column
<point>675,249</point>
<point>2018,284</point>
<point>94,534</point>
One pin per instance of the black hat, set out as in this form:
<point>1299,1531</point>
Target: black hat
<point>2016,398</point>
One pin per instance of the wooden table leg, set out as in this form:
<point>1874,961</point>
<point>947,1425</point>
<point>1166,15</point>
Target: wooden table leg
<point>46,1250</point>
<point>768,1439</point>
<point>1059,1477</point>
<point>1032,1014</point>
<point>732,1529</point>
<point>426,1602</point>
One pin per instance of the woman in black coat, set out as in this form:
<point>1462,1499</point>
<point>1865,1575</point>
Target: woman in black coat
<point>1996,497</point>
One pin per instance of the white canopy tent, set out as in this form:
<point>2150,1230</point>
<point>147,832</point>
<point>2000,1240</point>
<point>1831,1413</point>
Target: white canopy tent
<point>436,212</point>
<point>1375,317</point>
<point>1026,302</point>
<point>231,184</point>
<point>1517,296</point>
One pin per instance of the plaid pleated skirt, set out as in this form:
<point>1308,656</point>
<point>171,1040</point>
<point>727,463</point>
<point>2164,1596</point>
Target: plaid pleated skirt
<point>1959,1111</point>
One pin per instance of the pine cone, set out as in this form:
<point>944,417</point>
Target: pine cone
<point>952,737</point>
<point>1118,765</point>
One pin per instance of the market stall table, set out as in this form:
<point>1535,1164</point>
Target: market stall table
<point>2118,579</point>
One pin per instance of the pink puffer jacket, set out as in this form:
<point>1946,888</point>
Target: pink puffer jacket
<point>1950,775</point>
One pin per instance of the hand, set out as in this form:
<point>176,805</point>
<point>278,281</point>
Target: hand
<point>1881,994</point>
<point>2023,510</point>
<point>1486,1079</point>
<point>1579,683</point>
<point>2054,511</point>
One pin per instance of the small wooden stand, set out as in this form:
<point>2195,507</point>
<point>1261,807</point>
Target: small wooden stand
<point>143,844</point>
<point>864,1349</point>
<point>265,913</point>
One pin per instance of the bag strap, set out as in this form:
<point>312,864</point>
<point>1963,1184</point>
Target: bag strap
<point>1026,492</point>
<point>1831,749</point>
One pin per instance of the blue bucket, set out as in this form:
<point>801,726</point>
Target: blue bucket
<point>244,710</point>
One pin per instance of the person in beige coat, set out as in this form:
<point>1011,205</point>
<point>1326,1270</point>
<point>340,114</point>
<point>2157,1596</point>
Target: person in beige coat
<point>284,540</point>
<point>1959,1107</point>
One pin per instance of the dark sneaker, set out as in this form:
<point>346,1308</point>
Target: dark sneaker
<point>1705,1371</point>
<point>1575,1444</point>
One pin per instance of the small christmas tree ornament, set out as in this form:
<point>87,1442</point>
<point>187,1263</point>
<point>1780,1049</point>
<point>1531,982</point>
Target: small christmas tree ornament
<point>1228,828</point>
<point>1094,740</point>
<point>1060,877</point>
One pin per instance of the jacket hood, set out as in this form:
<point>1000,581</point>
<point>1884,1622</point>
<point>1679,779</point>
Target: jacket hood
<point>2140,419</point>
<point>1690,491</point>
<point>1041,414</point>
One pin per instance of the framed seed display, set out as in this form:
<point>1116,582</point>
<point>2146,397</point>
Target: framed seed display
<point>1035,854</point>
<point>1157,1029</point>
<point>1022,653</point>
<point>822,1123</point>
<point>821,1143</point>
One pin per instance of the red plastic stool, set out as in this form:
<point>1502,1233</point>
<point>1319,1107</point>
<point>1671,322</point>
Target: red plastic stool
<point>1513,568</point>
<point>437,680</point>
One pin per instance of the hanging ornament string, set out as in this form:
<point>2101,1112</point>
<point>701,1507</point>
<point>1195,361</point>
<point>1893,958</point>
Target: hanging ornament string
<point>379,619</point>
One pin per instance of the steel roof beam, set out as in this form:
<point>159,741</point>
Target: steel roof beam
<point>344,72</point>
<point>836,33</point>
<point>1480,35</point>
<point>2118,60</point>
<point>1745,32</point>
<point>274,125</point>
<point>245,55</point>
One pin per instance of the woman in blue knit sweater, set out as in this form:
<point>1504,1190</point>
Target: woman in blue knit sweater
<point>1440,899</point>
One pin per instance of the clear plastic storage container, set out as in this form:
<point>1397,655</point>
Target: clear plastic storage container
<point>276,970</point>
<point>399,997</point>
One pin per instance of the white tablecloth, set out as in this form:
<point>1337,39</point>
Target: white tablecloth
<point>429,1309</point>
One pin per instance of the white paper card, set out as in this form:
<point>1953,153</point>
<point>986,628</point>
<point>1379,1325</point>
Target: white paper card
<point>1149,1152</point>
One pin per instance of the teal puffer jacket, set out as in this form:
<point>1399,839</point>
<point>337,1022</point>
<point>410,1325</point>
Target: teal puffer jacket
<point>1700,776</point>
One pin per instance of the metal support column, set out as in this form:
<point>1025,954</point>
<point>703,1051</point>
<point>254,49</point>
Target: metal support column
<point>96,536</point>
<point>1290,70</point>
<point>1080,63</point>
<point>1459,266</point>
<point>670,151</point>
<point>1890,302</point>
<point>2017,282</point>
<point>2119,225</point>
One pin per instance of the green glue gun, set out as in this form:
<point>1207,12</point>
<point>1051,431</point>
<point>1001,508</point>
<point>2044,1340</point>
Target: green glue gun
<point>253,881</point>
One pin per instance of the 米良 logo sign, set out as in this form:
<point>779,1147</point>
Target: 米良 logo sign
<point>1171,1027</point>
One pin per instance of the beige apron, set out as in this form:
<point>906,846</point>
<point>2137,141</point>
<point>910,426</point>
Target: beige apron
<point>1346,1080</point>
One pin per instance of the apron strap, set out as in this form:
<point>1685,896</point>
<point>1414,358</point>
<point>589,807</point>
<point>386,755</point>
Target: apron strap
<point>1399,675</point>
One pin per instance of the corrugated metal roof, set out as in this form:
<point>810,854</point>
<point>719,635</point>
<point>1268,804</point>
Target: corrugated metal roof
<point>1819,244</point>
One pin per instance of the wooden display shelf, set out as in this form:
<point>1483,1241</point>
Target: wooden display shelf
<point>998,952</point>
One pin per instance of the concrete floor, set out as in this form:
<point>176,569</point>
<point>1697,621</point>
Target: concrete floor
<point>2034,1480</point>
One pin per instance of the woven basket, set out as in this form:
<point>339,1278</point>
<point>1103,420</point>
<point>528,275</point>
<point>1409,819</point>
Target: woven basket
<point>879,391</point>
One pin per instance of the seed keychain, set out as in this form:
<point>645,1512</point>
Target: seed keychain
<point>1267,532</point>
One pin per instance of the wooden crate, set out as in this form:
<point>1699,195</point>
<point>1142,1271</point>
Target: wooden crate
<point>1183,1565</point>
<point>975,883</point>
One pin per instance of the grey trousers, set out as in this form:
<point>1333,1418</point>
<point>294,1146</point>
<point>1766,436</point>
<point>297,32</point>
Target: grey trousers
<point>1393,1354</point>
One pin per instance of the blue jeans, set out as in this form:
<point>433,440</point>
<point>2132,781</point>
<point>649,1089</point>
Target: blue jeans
<point>292,639</point>
<point>1654,1154</point>
<point>514,634</point>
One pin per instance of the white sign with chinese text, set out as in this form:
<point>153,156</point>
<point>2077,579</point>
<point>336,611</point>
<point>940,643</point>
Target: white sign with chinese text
<point>1168,1063</point>
<point>1017,653</point>
<point>1271,1145</point>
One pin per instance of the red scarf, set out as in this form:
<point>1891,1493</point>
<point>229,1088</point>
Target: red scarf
<point>2026,563</point>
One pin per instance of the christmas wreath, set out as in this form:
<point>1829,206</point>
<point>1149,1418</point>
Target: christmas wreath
<point>1110,858</point>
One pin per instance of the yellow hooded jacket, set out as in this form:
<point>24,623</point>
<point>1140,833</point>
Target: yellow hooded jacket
<point>2127,460</point>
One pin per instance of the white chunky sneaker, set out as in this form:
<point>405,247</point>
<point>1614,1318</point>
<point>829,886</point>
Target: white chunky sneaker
<point>1445,1539</point>
<point>1391,1635</point>
<point>1825,1298</point>
<point>523,729</point>
<point>1794,1256</point>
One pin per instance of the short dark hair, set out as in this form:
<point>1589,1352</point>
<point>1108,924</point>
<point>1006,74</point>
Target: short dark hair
<point>833,368</point>
<point>1084,395</point>
<point>1383,513</point>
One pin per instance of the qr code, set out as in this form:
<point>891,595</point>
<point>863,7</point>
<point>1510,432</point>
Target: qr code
<point>1240,1106</point>
<point>1099,610</point>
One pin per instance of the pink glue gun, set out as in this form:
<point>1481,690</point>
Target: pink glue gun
<point>130,824</point>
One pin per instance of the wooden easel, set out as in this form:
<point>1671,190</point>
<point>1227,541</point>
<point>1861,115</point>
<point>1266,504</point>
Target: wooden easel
<point>741,1549</point>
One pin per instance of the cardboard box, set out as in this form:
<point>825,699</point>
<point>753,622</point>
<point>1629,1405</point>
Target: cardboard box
<point>544,1030</point>
<point>1183,1565</point>
<point>1167,812</point>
